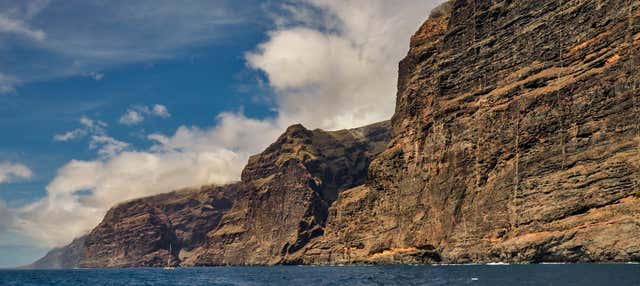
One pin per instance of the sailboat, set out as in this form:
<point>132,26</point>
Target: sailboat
<point>169,267</point>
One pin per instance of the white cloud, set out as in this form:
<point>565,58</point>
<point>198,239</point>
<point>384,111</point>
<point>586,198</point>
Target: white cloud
<point>89,126</point>
<point>136,114</point>
<point>131,117</point>
<point>70,135</point>
<point>234,132</point>
<point>18,27</point>
<point>10,172</point>
<point>161,111</point>
<point>106,146</point>
<point>89,123</point>
<point>341,71</point>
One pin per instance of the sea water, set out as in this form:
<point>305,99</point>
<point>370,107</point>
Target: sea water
<point>567,274</point>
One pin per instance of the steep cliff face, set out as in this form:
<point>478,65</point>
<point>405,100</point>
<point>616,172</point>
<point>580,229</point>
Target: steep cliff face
<point>288,190</point>
<point>279,205</point>
<point>154,231</point>
<point>150,231</point>
<point>516,138</point>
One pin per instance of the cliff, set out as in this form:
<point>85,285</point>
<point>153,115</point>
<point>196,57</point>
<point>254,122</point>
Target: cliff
<point>279,205</point>
<point>516,138</point>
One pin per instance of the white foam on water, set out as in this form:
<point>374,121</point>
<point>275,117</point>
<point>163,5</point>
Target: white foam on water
<point>456,264</point>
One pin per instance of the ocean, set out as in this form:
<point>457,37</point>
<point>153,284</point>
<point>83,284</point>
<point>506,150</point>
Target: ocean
<point>561,274</point>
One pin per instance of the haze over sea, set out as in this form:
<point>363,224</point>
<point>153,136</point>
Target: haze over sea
<point>541,274</point>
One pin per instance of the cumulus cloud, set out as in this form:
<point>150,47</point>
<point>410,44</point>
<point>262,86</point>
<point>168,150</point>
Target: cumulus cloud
<point>136,114</point>
<point>160,110</point>
<point>234,132</point>
<point>106,146</point>
<point>10,172</point>
<point>341,71</point>
<point>131,117</point>
<point>338,70</point>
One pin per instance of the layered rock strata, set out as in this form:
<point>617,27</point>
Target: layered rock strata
<point>516,138</point>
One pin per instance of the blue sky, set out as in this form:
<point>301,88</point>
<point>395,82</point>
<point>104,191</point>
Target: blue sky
<point>103,101</point>
<point>196,92</point>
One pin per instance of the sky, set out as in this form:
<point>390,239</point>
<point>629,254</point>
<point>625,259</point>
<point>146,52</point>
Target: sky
<point>107,101</point>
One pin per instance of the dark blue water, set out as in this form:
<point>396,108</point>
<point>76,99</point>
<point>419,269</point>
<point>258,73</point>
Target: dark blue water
<point>571,274</point>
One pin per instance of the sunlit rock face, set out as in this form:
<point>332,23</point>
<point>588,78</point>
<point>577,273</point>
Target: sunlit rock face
<point>516,138</point>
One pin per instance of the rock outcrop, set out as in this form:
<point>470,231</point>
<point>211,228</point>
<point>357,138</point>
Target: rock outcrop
<point>516,138</point>
<point>287,191</point>
<point>279,205</point>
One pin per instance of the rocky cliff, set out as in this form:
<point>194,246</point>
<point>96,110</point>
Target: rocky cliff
<point>516,138</point>
<point>279,205</point>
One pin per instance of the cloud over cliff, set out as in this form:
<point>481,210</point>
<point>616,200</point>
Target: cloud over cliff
<point>338,69</point>
<point>331,64</point>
